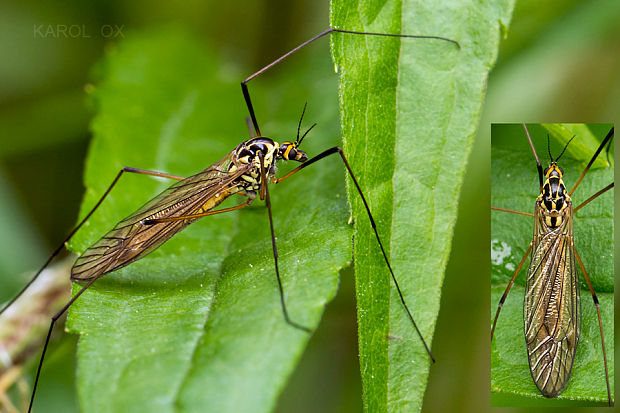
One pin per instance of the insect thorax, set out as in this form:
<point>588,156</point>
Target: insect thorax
<point>554,200</point>
<point>247,155</point>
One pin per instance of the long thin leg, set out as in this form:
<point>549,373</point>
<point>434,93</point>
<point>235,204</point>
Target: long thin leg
<point>593,197</point>
<point>610,135</point>
<point>76,228</point>
<point>265,185</point>
<point>49,334</point>
<point>195,216</point>
<point>600,322</point>
<point>514,276</point>
<point>527,214</point>
<point>538,165</point>
<point>372,223</point>
<point>248,122</point>
<point>508,287</point>
<point>244,87</point>
<point>607,152</point>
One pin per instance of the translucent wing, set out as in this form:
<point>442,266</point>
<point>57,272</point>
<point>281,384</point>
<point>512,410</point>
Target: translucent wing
<point>131,240</point>
<point>551,310</point>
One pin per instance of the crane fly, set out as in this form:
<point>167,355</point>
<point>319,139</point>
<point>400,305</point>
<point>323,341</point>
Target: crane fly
<point>552,309</point>
<point>246,171</point>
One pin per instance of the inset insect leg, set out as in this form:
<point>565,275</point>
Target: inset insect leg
<point>593,197</point>
<point>76,228</point>
<point>610,135</point>
<point>600,322</point>
<point>508,287</point>
<point>512,211</point>
<point>538,165</point>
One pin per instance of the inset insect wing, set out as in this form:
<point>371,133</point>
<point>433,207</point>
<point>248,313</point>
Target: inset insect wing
<point>551,310</point>
<point>131,240</point>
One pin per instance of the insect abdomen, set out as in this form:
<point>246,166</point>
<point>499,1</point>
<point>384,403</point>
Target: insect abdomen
<point>552,309</point>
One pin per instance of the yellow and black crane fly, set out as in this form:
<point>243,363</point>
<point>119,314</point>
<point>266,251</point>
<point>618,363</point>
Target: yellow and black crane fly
<point>246,171</point>
<point>551,310</point>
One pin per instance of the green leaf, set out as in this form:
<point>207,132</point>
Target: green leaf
<point>579,148</point>
<point>409,111</point>
<point>514,185</point>
<point>198,322</point>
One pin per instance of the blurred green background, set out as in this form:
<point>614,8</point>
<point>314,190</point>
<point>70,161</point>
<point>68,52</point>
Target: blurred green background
<point>558,63</point>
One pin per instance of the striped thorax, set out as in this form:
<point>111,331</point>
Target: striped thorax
<point>247,153</point>
<point>553,199</point>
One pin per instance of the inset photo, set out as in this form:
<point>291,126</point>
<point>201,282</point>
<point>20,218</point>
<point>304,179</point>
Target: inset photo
<point>552,264</point>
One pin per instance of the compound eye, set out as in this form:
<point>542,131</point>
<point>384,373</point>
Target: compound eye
<point>286,149</point>
<point>292,153</point>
